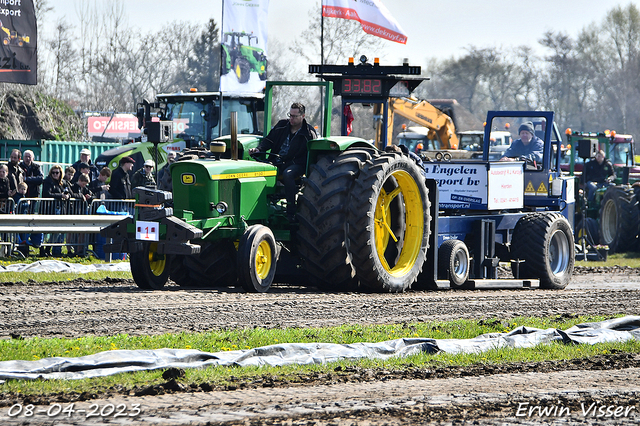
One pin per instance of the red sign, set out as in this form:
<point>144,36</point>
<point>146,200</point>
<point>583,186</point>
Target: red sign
<point>116,126</point>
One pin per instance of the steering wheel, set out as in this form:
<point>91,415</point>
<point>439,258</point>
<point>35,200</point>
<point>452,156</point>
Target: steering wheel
<point>266,157</point>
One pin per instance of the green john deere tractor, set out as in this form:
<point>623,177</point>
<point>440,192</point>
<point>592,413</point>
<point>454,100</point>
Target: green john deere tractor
<point>228,223</point>
<point>240,56</point>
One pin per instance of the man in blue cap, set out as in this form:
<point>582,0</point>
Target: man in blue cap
<point>528,148</point>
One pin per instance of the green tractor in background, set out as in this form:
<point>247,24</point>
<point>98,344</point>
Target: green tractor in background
<point>241,57</point>
<point>612,218</point>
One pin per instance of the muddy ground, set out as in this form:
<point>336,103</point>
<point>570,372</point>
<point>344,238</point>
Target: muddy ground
<point>489,394</point>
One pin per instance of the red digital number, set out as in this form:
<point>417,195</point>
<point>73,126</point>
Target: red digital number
<point>346,85</point>
<point>356,86</point>
<point>375,87</point>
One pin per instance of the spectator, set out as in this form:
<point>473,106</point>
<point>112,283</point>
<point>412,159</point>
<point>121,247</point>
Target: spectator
<point>120,186</point>
<point>23,239</point>
<point>84,169</point>
<point>15,170</point>
<point>164,175</point>
<point>32,174</point>
<point>33,177</point>
<point>54,186</point>
<point>144,176</point>
<point>69,173</point>
<point>85,157</point>
<point>81,193</point>
<point>5,189</point>
<point>99,187</point>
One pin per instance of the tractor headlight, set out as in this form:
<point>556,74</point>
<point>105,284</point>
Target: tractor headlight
<point>222,207</point>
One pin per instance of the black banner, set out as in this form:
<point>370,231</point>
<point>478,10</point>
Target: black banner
<point>18,33</point>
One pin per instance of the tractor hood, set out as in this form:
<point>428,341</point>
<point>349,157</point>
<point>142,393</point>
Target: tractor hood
<point>243,186</point>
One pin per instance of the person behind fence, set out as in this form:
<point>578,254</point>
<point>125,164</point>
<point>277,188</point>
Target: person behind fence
<point>144,176</point>
<point>14,169</point>
<point>82,197</point>
<point>69,173</point>
<point>120,186</point>
<point>23,239</point>
<point>99,187</point>
<point>288,139</point>
<point>55,187</point>
<point>81,169</point>
<point>5,189</point>
<point>33,177</point>
<point>598,173</point>
<point>85,157</point>
<point>164,174</point>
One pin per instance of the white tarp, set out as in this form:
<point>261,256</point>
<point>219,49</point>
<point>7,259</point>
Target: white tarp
<point>119,361</point>
<point>60,266</point>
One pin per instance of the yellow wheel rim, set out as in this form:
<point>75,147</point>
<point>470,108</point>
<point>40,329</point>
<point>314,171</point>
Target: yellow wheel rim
<point>238,71</point>
<point>263,260</point>
<point>414,223</point>
<point>157,262</point>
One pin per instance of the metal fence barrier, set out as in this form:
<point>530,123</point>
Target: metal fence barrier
<point>51,224</point>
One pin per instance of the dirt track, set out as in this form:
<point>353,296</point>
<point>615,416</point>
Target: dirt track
<point>79,308</point>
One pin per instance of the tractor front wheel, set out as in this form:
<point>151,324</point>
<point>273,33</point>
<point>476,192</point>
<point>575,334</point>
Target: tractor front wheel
<point>257,258</point>
<point>150,269</point>
<point>242,70</point>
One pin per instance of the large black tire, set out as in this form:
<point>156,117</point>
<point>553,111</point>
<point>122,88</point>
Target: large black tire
<point>179,273</point>
<point>323,219</point>
<point>544,241</point>
<point>453,262</point>
<point>590,230</point>
<point>150,270</point>
<point>215,266</point>
<point>257,258</point>
<point>243,70</point>
<point>389,222</point>
<point>619,219</point>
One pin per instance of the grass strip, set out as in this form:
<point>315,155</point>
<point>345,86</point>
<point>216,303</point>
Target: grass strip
<point>36,348</point>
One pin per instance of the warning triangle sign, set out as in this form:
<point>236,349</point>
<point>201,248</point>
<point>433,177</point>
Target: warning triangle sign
<point>530,188</point>
<point>542,188</point>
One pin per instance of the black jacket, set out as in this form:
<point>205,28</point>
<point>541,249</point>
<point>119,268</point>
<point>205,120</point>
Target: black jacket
<point>140,178</point>
<point>33,177</point>
<point>93,171</point>
<point>120,185</point>
<point>594,172</point>
<point>298,144</point>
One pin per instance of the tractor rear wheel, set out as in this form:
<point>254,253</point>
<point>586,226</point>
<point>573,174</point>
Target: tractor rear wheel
<point>389,220</point>
<point>178,272</point>
<point>322,214</point>
<point>619,219</point>
<point>257,258</point>
<point>150,270</point>
<point>544,241</point>
<point>453,262</point>
<point>226,65</point>
<point>215,266</point>
<point>243,70</point>
<point>587,230</point>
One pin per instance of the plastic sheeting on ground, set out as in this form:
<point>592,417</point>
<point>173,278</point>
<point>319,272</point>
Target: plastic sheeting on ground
<point>60,266</point>
<point>119,361</point>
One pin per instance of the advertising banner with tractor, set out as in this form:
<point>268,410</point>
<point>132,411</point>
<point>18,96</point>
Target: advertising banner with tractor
<point>18,60</point>
<point>243,67</point>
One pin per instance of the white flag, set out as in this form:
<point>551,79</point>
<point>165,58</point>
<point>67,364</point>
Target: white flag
<point>372,15</point>
<point>244,46</point>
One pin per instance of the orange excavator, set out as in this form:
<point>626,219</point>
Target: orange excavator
<point>440,126</point>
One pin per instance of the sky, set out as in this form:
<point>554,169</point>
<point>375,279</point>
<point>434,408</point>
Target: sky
<point>434,29</point>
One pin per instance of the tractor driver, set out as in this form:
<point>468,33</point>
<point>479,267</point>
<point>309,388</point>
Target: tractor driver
<point>288,139</point>
<point>529,147</point>
<point>598,172</point>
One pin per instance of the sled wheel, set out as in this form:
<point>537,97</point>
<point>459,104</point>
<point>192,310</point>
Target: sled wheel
<point>150,269</point>
<point>453,262</point>
<point>257,258</point>
<point>389,223</point>
<point>544,241</point>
